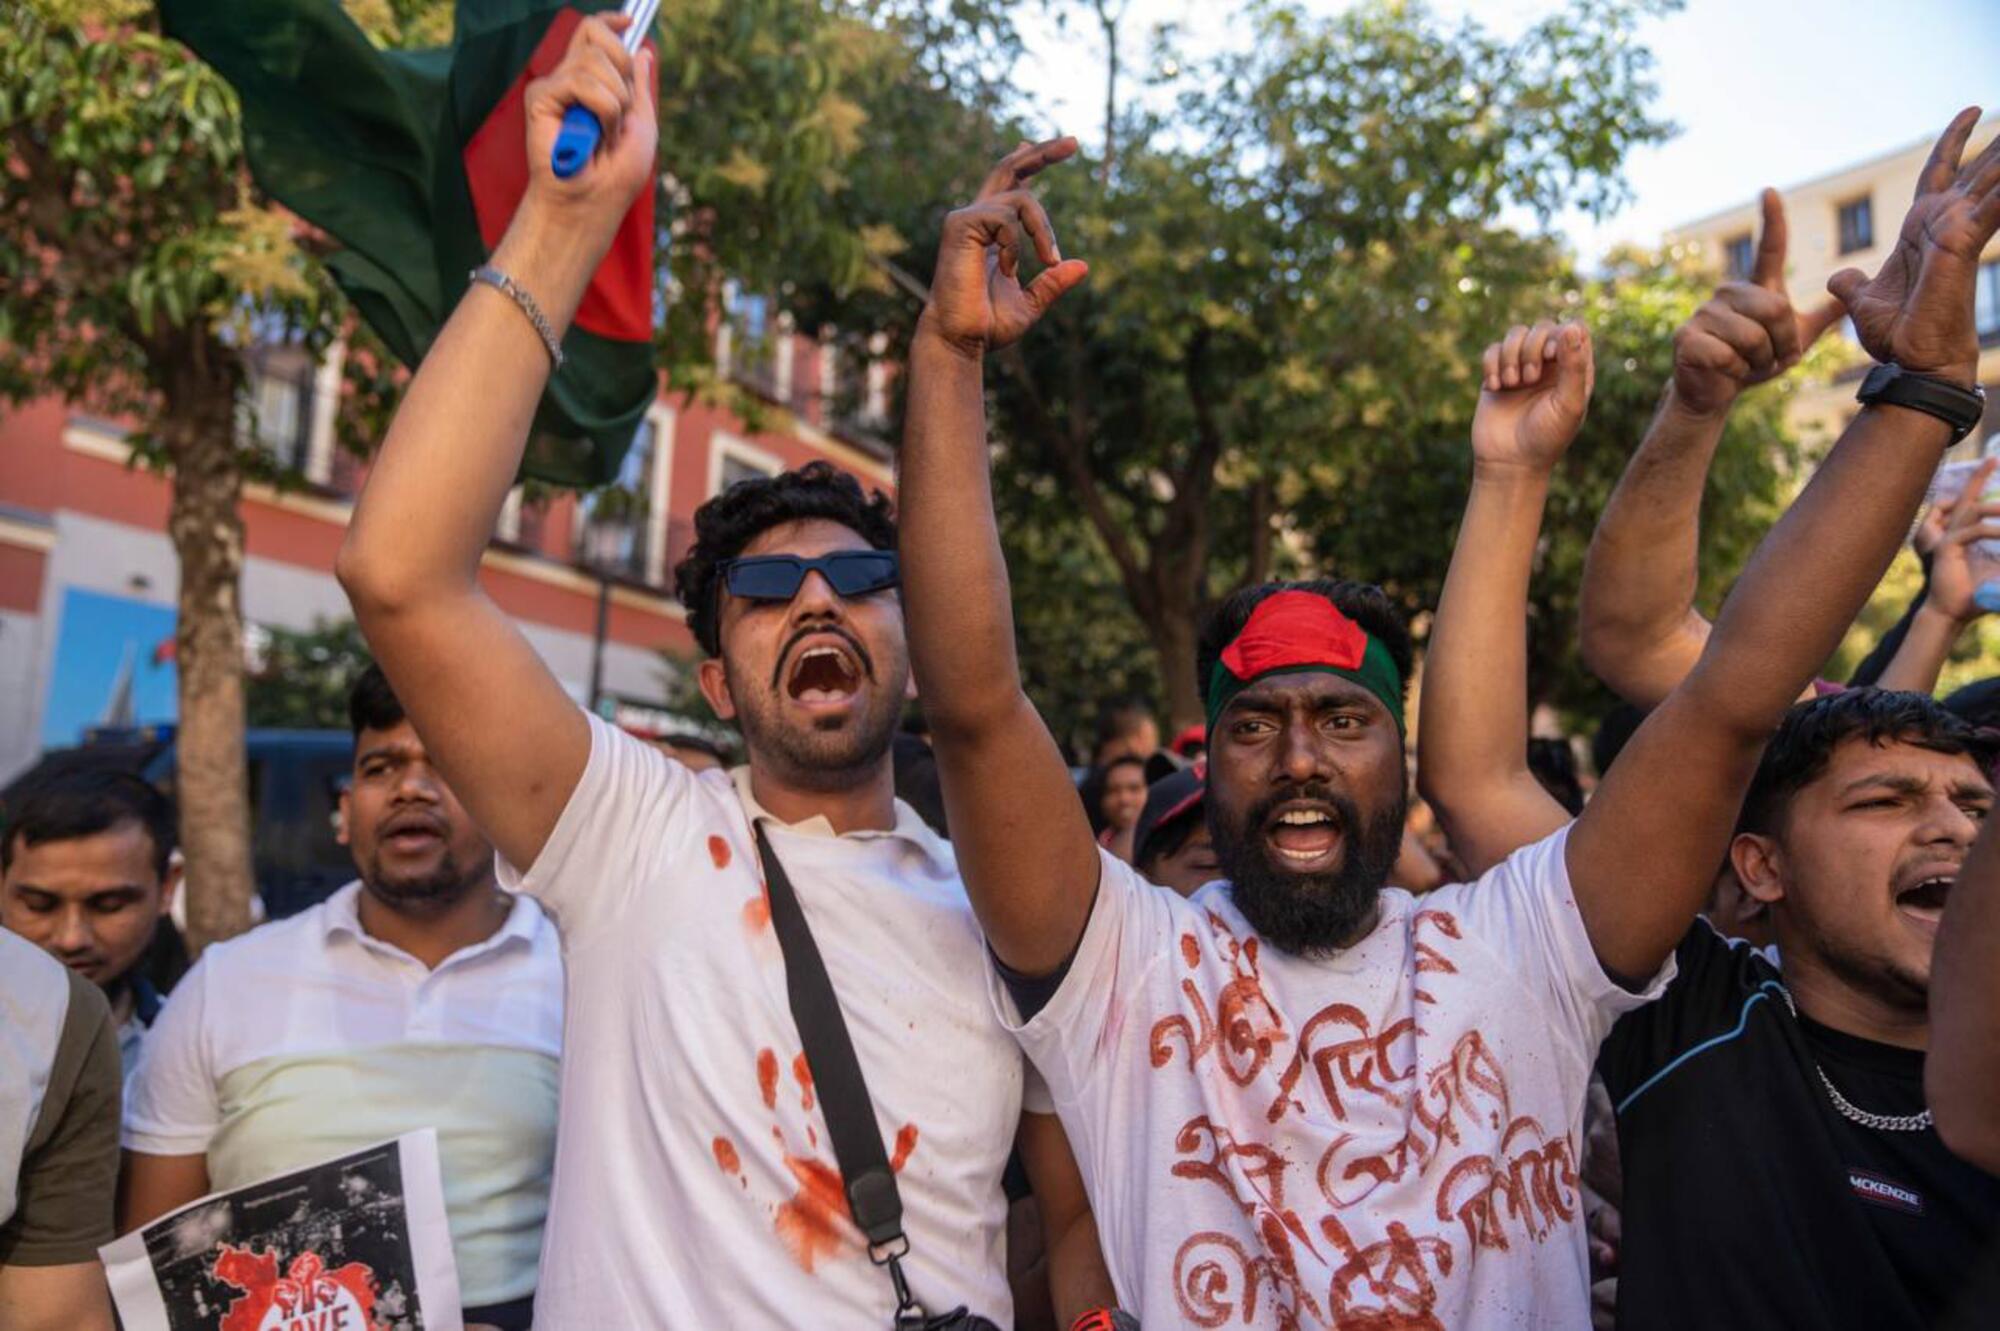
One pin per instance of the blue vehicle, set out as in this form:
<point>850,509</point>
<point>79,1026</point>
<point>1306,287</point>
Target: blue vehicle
<point>295,782</point>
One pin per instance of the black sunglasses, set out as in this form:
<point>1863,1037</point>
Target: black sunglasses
<point>778,577</point>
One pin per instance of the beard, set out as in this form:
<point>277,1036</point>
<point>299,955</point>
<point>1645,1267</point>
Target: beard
<point>431,889</point>
<point>1309,914</point>
<point>833,752</point>
<point>1868,970</point>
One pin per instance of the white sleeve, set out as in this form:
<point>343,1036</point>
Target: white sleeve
<point>1130,929</point>
<point>171,1107</point>
<point>595,858</point>
<point>1523,911</point>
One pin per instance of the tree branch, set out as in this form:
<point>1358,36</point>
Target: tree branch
<point>1260,530</point>
<point>905,280</point>
<point>1076,470</point>
<point>1187,516</point>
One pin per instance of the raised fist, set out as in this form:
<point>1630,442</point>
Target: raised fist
<point>619,88</point>
<point>1535,392</point>
<point>1747,332</point>
<point>977,301</point>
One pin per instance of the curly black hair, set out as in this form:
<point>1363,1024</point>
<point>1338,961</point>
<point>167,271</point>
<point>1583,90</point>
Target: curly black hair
<point>1803,747</point>
<point>727,523</point>
<point>1363,602</point>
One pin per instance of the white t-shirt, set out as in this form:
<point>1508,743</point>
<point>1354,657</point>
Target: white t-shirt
<point>695,1183</point>
<point>1386,1137</point>
<point>307,1038</point>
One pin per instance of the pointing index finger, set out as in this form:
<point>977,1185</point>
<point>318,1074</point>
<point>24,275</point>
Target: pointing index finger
<point>1768,271</point>
<point>1027,159</point>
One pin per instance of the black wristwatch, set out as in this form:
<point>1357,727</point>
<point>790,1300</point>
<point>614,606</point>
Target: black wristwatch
<point>1959,407</point>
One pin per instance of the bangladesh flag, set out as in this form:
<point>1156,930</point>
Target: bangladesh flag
<point>414,161</point>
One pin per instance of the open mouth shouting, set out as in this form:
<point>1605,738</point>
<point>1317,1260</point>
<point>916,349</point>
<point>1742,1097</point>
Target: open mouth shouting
<point>1921,897</point>
<point>824,670</point>
<point>413,833</point>
<point>1304,836</point>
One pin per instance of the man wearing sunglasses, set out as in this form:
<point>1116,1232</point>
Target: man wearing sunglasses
<point>696,1183</point>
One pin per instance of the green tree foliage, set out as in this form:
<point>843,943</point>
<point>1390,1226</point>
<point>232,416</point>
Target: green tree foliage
<point>1272,366</point>
<point>137,262</point>
<point>303,676</point>
<point>134,264</point>
<point>1291,279</point>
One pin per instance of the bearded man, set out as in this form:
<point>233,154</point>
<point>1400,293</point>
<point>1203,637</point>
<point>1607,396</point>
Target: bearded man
<point>1303,1098</point>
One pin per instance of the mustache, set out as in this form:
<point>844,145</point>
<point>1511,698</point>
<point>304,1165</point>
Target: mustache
<point>785,653</point>
<point>1319,792</point>
<point>406,819</point>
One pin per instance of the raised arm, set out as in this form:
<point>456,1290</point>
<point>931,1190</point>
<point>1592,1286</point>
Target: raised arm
<point>1017,826</point>
<point>1644,853</point>
<point>1948,602</point>
<point>1962,1068</point>
<point>1641,632</point>
<point>1472,762</point>
<point>495,720</point>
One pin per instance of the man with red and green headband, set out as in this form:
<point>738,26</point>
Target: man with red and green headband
<point>1302,1098</point>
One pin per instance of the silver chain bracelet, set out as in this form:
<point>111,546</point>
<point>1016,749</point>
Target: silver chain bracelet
<point>514,291</point>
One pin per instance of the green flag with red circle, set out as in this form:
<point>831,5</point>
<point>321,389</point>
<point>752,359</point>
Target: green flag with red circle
<point>414,162</point>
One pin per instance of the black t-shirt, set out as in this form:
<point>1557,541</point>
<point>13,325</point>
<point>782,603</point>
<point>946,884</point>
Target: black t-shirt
<point>1749,1201</point>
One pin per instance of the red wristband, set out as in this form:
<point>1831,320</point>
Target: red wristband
<point>1105,1319</point>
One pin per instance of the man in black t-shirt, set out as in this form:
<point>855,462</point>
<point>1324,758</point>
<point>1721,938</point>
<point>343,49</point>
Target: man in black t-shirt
<point>1781,1169</point>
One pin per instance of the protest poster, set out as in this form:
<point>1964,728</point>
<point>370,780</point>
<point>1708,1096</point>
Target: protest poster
<point>357,1243</point>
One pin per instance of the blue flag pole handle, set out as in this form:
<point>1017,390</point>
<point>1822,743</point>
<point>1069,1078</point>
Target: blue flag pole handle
<point>577,140</point>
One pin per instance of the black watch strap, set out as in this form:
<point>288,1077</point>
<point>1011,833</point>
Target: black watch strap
<point>1959,407</point>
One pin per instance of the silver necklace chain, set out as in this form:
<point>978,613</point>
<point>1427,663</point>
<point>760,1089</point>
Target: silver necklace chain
<point>1852,1112</point>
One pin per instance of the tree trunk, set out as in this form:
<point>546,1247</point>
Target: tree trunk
<point>1173,638</point>
<point>1108,20</point>
<point>206,524</point>
<point>1172,630</point>
<point>1260,532</point>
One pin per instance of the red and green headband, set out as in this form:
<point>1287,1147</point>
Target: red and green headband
<point>1299,630</point>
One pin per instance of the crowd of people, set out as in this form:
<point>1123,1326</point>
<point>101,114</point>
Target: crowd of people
<point>1227,1033</point>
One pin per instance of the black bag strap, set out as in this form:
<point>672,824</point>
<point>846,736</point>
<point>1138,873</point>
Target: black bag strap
<point>872,1197</point>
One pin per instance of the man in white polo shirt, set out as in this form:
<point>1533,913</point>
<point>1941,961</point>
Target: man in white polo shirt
<point>696,1180</point>
<point>419,996</point>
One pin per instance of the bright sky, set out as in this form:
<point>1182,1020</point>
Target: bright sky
<point>1764,91</point>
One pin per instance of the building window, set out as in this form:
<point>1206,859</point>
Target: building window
<point>732,460</point>
<point>754,342</point>
<point>856,379</point>
<point>275,413</point>
<point>1857,224</point>
<point>508,526</point>
<point>1737,256</point>
<point>615,532</point>
<point>1986,302</point>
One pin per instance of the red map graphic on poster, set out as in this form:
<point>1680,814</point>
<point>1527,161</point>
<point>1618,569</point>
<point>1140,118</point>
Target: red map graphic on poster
<point>308,1297</point>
